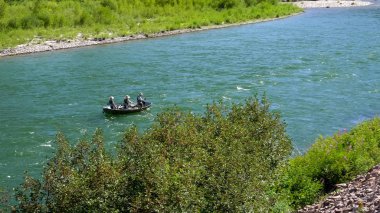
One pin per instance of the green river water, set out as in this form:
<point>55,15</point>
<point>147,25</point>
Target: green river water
<point>320,70</point>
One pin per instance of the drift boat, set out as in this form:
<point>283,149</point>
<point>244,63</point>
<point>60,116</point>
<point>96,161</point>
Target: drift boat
<point>121,110</point>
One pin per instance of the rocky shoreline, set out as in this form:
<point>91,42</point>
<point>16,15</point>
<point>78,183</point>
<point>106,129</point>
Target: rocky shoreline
<point>38,45</point>
<point>331,3</point>
<point>360,195</point>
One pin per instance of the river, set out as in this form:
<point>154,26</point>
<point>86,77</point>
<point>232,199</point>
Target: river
<point>320,70</point>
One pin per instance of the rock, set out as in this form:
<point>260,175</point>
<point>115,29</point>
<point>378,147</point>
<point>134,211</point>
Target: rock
<point>368,176</point>
<point>360,195</point>
<point>341,185</point>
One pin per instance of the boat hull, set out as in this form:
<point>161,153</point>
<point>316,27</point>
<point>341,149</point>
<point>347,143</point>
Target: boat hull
<point>122,111</point>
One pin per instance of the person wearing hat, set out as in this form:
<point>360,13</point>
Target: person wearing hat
<point>111,102</point>
<point>127,102</point>
<point>140,100</point>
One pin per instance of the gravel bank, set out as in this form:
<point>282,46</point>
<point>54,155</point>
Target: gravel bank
<point>360,195</point>
<point>331,3</point>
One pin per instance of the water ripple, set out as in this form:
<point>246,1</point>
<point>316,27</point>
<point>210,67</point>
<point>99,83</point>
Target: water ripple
<point>319,69</point>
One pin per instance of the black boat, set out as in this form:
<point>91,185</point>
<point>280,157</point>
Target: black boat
<point>122,110</point>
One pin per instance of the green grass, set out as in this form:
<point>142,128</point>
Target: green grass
<point>330,161</point>
<point>22,21</point>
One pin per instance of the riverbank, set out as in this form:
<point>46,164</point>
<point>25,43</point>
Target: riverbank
<point>38,45</point>
<point>42,45</point>
<point>331,3</point>
<point>360,195</point>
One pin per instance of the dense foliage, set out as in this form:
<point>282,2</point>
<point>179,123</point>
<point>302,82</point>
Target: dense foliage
<point>330,161</point>
<point>228,160</point>
<point>22,20</point>
<point>222,161</point>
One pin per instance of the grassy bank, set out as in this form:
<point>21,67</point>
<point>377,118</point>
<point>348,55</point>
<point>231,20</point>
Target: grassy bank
<point>22,21</point>
<point>331,160</point>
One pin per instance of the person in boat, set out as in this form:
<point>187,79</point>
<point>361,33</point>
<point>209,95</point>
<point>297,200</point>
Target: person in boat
<point>111,102</point>
<point>127,102</point>
<point>140,100</point>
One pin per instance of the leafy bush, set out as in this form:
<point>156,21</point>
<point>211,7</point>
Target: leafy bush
<point>226,4</point>
<point>330,161</point>
<point>111,4</point>
<point>222,161</point>
<point>3,6</point>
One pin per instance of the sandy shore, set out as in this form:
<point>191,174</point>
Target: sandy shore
<point>331,3</point>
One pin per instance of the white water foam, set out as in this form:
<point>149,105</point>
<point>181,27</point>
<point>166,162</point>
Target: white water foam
<point>241,88</point>
<point>226,98</point>
<point>47,144</point>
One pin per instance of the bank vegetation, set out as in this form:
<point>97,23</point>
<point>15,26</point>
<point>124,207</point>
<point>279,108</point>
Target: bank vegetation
<point>25,21</point>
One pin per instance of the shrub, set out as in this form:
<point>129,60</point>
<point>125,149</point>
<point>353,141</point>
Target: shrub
<point>12,23</point>
<point>222,161</point>
<point>3,7</point>
<point>30,22</point>
<point>226,4</point>
<point>84,19</point>
<point>111,4</point>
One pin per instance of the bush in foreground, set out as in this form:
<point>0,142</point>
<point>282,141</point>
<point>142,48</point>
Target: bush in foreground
<point>222,161</point>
